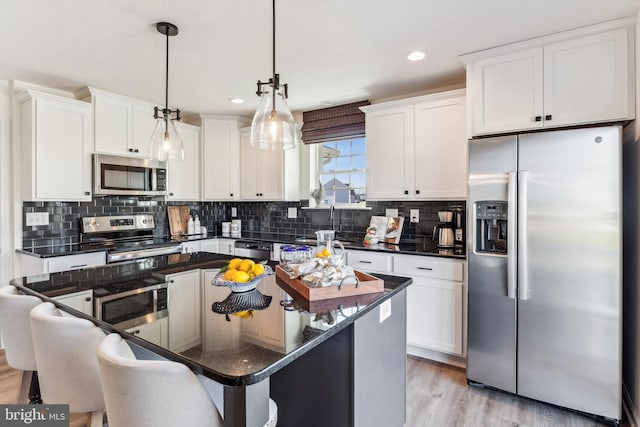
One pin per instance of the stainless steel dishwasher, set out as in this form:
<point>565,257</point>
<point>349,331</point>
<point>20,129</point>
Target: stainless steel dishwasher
<point>252,249</point>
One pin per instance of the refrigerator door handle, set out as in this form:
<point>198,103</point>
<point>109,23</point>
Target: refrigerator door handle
<point>523,293</point>
<point>512,215</point>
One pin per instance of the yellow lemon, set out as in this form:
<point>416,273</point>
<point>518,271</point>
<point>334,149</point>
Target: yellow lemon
<point>230,274</point>
<point>242,277</point>
<point>246,265</point>
<point>246,314</point>
<point>325,252</point>
<point>235,263</point>
<point>258,269</point>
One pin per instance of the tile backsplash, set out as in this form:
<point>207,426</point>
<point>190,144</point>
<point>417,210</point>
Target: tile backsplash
<point>267,217</point>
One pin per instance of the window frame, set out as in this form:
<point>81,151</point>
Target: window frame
<point>319,169</point>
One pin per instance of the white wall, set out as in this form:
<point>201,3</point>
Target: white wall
<point>6,232</point>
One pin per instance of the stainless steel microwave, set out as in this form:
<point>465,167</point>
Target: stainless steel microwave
<point>120,175</point>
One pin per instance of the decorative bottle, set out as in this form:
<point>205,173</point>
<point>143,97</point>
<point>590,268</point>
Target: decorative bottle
<point>191,226</point>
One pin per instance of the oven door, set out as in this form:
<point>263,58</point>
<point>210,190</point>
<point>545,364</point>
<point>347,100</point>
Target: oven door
<point>133,308</point>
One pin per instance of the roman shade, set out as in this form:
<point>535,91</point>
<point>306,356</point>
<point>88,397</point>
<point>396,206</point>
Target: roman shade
<point>326,124</point>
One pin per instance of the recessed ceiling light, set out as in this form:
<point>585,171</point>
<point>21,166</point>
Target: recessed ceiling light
<point>236,100</point>
<point>416,55</point>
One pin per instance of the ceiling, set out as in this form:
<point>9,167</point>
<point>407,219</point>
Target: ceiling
<point>329,52</point>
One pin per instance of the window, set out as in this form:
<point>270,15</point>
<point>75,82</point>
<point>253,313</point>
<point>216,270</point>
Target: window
<point>342,169</point>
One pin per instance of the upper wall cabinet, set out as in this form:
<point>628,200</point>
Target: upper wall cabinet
<point>122,125</point>
<point>56,147</point>
<point>220,157</point>
<point>577,77</point>
<point>184,175</point>
<point>268,174</point>
<point>416,148</point>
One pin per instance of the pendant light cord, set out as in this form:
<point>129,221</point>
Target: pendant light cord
<point>166,82</point>
<point>275,80</point>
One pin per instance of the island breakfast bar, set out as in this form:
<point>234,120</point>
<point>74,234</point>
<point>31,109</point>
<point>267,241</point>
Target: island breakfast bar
<point>338,362</point>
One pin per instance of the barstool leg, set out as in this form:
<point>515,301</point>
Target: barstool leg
<point>34,389</point>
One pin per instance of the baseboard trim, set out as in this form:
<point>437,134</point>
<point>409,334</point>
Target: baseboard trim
<point>446,358</point>
<point>628,408</point>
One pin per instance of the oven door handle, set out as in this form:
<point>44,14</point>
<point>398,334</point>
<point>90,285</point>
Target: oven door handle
<point>100,300</point>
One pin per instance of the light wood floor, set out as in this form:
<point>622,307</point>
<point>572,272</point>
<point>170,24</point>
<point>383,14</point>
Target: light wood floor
<point>437,396</point>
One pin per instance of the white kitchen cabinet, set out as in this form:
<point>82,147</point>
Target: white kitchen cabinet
<point>122,125</point>
<point>81,301</point>
<point>56,147</point>
<point>416,148</point>
<point>268,174</point>
<point>184,175</point>
<point>220,157</point>
<point>191,247</point>
<point>226,246</point>
<point>440,156</point>
<point>375,262</point>
<point>389,135</point>
<point>156,332</point>
<point>210,245</point>
<point>577,77</point>
<point>184,310</point>
<point>33,265</point>
<point>435,306</point>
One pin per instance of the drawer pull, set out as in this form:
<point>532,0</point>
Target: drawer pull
<point>87,299</point>
<point>78,266</point>
<point>365,262</point>
<point>425,268</point>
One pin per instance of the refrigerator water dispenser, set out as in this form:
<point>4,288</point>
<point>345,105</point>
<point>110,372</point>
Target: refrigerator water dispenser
<point>491,224</point>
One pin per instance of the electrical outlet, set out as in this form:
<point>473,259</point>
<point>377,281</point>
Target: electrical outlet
<point>391,213</point>
<point>385,310</point>
<point>36,218</point>
<point>292,212</point>
<point>234,212</point>
<point>415,215</point>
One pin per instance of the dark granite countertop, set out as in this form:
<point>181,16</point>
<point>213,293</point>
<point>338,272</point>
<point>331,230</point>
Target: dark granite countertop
<point>240,350</point>
<point>421,246</point>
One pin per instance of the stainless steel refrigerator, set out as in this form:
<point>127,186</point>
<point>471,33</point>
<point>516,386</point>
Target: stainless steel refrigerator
<point>545,267</point>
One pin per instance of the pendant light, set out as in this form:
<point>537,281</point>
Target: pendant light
<point>273,127</point>
<point>166,143</point>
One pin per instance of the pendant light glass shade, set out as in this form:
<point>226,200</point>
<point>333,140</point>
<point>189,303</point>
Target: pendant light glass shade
<point>273,129</point>
<point>166,143</point>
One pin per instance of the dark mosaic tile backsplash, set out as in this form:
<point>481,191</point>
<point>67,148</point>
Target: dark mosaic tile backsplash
<point>268,217</point>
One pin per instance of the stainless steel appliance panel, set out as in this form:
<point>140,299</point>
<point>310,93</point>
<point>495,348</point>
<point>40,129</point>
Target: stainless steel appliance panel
<point>491,343</point>
<point>569,268</point>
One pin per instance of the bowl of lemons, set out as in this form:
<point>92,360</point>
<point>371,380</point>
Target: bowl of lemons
<point>242,275</point>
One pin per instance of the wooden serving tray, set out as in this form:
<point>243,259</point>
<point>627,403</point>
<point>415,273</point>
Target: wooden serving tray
<point>368,285</point>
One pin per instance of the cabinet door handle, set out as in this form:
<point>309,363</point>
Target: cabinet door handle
<point>87,299</point>
<point>365,262</point>
<point>171,194</point>
<point>131,150</point>
<point>538,118</point>
<point>171,281</point>
<point>547,117</point>
<point>257,194</point>
<point>87,193</point>
<point>406,191</point>
<point>417,191</point>
<point>78,266</point>
<point>425,268</point>
<point>136,332</point>
<point>231,195</point>
<point>136,150</point>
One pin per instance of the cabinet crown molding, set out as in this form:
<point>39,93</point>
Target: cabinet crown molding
<point>88,92</point>
<point>627,22</point>
<point>415,100</point>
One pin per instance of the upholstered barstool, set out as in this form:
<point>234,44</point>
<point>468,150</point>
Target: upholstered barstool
<point>154,392</point>
<point>65,349</point>
<point>16,334</point>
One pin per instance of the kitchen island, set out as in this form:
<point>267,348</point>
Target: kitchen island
<point>335,362</point>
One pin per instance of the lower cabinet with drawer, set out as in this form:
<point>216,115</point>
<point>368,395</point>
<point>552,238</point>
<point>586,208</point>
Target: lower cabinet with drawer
<point>155,332</point>
<point>435,307</point>
<point>375,262</point>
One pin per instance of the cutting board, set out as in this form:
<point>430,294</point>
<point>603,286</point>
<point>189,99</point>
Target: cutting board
<point>178,219</point>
